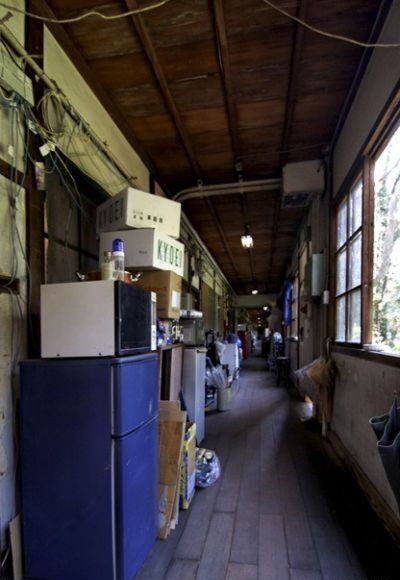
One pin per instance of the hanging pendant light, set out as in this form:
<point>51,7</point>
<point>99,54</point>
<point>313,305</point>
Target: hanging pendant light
<point>247,239</point>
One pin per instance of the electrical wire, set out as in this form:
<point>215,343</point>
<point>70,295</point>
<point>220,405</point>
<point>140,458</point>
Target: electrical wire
<point>85,15</point>
<point>330,34</point>
<point>103,16</point>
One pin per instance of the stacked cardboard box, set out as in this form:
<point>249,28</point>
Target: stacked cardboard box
<point>148,225</point>
<point>172,422</point>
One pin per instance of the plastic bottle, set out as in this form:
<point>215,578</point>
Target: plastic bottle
<point>107,267</point>
<point>118,255</point>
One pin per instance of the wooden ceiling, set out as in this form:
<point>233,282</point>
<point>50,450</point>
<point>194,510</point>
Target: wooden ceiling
<point>216,90</point>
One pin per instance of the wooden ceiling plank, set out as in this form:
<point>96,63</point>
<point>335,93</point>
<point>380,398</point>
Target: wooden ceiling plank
<point>225,68</point>
<point>42,8</point>
<point>159,74</point>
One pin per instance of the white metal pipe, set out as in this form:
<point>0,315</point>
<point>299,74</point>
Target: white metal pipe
<point>235,188</point>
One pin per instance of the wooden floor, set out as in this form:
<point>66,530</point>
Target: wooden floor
<point>270,516</point>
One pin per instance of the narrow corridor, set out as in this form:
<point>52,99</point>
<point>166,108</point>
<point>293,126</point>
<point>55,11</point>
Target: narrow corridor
<point>282,510</point>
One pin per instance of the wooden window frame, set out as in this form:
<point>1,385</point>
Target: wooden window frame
<point>345,197</point>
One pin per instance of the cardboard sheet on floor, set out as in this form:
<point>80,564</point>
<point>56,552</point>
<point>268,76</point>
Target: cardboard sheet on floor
<point>172,422</point>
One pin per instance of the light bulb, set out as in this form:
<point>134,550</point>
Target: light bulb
<point>247,241</point>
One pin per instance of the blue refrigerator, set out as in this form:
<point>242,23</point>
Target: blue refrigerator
<point>89,456</point>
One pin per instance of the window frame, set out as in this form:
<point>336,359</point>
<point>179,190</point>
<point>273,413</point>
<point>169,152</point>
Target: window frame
<point>363,167</point>
<point>345,198</point>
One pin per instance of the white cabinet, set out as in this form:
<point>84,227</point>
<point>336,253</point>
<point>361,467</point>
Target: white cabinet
<point>193,387</point>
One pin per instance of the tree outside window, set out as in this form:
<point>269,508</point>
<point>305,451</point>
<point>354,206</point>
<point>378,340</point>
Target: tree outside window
<point>386,278</point>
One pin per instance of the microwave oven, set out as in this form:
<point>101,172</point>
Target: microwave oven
<point>96,319</point>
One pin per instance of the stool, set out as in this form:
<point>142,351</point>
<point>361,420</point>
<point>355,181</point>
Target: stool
<point>282,370</point>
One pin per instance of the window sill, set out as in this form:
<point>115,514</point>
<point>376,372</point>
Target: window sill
<point>375,356</point>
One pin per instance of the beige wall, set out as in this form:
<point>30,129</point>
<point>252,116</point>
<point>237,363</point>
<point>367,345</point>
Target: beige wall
<point>83,99</point>
<point>380,78</point>
<point>11,323</point>
<point>13,327</point>
<point>364,389</point>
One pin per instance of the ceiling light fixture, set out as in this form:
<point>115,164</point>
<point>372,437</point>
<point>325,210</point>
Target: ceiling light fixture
<point>247,239</point>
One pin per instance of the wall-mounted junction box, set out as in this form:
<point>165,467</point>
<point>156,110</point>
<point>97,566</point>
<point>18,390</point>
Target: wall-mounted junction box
<point>314,280</point>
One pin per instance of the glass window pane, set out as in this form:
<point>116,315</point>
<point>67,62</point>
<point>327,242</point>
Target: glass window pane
<point>341,319</point>
<point>341,263</point>
<point>386,282</point>
<point>355,262</point>
<point>356,208</point>
<point>341,229</point>
<point>354,322</point>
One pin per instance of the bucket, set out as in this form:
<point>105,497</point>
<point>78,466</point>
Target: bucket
<point>224,399</point>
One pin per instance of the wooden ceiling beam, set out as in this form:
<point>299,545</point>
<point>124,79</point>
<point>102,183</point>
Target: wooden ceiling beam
<point>225,68</point>
<point>42,8</point>
<point>293,79</point>
<point>162,83</point>
<point>221,232</point>
<point>289,114</point>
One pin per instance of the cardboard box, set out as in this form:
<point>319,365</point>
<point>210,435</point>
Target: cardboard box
<point>147,248</point>
<point>132,208</point>
<point>172,422</point>
<point>168,287</point>
<point>188,468</point>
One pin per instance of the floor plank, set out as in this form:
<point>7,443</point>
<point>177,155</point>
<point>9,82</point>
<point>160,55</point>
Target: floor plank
<point>182,570</point>
<point>306,575</point>
<point>245,537</point>
<point>242,572</point>
<point>214,562</point>
<point>272,552</point>
<point>300,544</point>
<point>331,550</point>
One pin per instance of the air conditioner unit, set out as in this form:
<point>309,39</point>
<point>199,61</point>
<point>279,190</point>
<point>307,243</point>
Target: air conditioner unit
<point>303,178</point>
<point>13,78</point>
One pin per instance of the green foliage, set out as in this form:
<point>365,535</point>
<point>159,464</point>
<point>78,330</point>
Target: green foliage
<point>386,300</point>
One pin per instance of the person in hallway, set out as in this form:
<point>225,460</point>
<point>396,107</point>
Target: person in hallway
<point>276,338</point>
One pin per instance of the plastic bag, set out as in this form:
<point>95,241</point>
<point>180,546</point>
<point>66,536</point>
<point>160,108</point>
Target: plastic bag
<point>221,348</point>
<point>208,468</point>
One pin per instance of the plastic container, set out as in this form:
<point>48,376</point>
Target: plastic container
<point>107,267</point>
<point>118,255</point>
<point>224,399</point>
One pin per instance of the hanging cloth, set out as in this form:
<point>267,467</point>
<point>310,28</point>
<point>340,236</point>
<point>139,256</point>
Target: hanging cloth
<point>387,431</point>
<point>287,295</point>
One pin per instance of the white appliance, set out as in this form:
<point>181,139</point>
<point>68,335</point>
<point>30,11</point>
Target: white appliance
<point>230,357</point>
<point>97,319</point>
<point>147,248</point>
<point>193,387</point>
<point>132,208</point>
